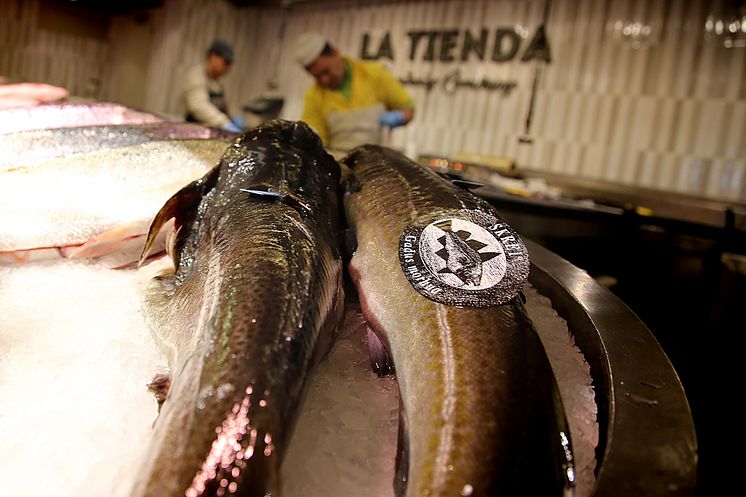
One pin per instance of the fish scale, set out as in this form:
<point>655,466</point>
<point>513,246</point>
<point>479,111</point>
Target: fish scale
<point>27,147</point>
<point>480,411</point>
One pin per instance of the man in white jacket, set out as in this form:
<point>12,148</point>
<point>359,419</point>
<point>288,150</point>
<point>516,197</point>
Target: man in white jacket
<point>203,94</point>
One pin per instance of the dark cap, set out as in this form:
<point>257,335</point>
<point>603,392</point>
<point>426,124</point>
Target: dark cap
<point>222,49</point>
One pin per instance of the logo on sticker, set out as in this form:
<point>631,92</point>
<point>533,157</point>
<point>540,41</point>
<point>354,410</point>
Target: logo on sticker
<point>470,259</point>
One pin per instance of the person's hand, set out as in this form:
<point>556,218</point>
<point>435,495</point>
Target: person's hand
<point>391,118</point>
<point>231,126</point>
<point>239,122</point>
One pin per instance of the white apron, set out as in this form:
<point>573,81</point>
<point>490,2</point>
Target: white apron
<point>356,127</point>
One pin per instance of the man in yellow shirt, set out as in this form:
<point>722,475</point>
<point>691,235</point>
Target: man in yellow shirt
<point>351,100</point>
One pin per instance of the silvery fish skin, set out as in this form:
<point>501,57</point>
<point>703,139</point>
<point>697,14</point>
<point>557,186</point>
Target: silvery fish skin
<point>256,292</point>
<point>480,411</point>
<point>67,201</point>
<point>17,149</point>
<point>47,116</point>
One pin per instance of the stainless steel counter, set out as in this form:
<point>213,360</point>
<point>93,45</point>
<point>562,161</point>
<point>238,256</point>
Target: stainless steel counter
<point>647,440</point>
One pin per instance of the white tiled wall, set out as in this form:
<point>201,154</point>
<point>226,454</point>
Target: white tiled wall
<point>28,53</point>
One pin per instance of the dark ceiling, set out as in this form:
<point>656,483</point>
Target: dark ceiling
<point>110,7</point>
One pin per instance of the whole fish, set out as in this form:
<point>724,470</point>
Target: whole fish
<point>437,274</point>
<point>47,116</point>
<point>95,197</point>
<point>254,297</point>
<point>17,149</point>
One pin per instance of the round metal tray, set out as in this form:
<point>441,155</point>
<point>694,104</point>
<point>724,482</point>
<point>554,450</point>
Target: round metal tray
<point>647,443</point>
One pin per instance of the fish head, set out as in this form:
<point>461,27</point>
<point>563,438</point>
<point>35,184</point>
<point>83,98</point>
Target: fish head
<point>301,174</point>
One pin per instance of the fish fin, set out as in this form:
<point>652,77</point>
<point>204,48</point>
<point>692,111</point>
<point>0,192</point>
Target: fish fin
<point>380,359</point>
<point>108,241</point>
<point>182,207</point>
<point>171,209</point>
<point>30,255</point>
<point>119,248</point>
<point>134,264</point>
<point>158,307</point>
<point>159,387</point>
<point>402,455</point>
<point>171,240</point>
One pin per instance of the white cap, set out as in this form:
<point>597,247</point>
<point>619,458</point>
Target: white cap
<point>308,47</point>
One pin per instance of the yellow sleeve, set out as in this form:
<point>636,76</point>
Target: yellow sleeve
<point>313,114</point>
<point>392,93</point>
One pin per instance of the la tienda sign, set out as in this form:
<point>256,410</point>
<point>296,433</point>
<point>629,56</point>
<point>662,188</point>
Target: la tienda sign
<point>457,46</point>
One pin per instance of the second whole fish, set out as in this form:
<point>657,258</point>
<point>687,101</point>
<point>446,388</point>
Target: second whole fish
<point>251,305</point>
<point>437,274</point>
<point>30,147</point>
<point>99,198</point>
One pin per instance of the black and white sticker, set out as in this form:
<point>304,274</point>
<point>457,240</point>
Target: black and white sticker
<point>469,259</point>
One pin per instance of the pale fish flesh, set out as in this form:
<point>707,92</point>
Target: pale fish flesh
<point>64,202</point>
<point>254,298</point>
<point>437,274</point>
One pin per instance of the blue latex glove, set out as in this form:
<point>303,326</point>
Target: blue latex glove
<point>239,121</point>
<point>391,118</point>
<point>232,128</point>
